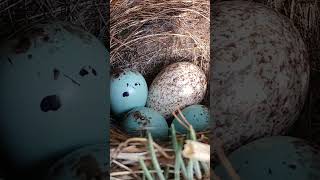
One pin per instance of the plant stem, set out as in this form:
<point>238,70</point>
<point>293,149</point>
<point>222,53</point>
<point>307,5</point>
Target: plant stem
<point>154,158</point>
<point>146,173</point>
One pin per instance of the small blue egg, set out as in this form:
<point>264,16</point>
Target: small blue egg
<point>141,119</point>
<point>128,89</point>
<point>197,116</point>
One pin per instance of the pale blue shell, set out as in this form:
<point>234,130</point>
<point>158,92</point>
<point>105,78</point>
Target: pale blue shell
<point>128,89</point>
<point>275,158</point>
<point>140,119</point>
<point>197,116</point>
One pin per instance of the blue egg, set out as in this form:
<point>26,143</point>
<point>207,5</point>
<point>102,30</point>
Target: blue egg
<point>275,158</point>
<point>197,116</point>
<point>141,119</point>
<point>128,89</point>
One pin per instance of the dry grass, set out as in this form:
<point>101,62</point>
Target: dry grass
<point>148,35</point>
<point>16,15</point>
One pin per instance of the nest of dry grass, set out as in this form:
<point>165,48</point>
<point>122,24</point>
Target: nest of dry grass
<point>149,35</point>
<point>17,15</point>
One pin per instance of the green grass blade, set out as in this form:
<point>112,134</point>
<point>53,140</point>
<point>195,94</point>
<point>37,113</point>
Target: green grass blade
<point>190,170</point>
<point>146,172</point>
<point>197,169</point>
<point>154,158</point>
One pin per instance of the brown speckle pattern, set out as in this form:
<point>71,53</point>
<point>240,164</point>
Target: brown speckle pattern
<point>178,85</point>
<point>260,73</point>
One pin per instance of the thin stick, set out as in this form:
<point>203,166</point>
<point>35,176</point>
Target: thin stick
<point>224,160</point>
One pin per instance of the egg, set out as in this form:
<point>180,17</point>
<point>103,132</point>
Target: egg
<point>141,119</point>
<point>260,75</point>
<point>89,162</point>
<point>275,158</point>
<point>128,89</point>
<point>196,115</point>
<point>177,86</point>
<point>53,93</point>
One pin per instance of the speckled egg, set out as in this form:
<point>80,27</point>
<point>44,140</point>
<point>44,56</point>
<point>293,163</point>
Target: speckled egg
<point>141,119</point>
<point>197,116</point>
<point>128,89</point>
<point>177,86</point>
<point>89,162</point>
<point>53,93</point>
<point>275,158</point>
<point>260,73</point>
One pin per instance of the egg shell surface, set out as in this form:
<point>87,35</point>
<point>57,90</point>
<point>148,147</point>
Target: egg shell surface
<point>141,119</point>
<point>53,93</point>
<point>197,115</point>
<point>177,86</point>
<point>260,75</point>
<point>128,89</point>
<point>275,158</point>
<point>89,162</point>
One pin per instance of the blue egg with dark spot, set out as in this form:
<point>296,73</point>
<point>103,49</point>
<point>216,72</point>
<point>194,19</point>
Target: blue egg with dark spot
<point>197,116</point>
<point>275,158</point>
<point>128,90</point>
<point>141,119</point>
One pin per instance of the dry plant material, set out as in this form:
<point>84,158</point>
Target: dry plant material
<point>151,34</point>
<point>18,15</point>
<point>196,150</point>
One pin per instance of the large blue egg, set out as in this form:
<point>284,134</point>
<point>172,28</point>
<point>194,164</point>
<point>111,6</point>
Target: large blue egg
<point>141,119</point>
<point>275,158</point>
<point>197,116</point>
<point>89,162</point>
<point>53,93</point>
<point>128,89</point>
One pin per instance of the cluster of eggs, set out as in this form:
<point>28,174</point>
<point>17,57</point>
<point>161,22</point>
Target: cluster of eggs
<point>180,85</point>
<point>53,95</point>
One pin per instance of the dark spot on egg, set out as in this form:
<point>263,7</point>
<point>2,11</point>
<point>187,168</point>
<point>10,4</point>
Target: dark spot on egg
<point>50,103</point>
<point>71,79</point>
<point>292,166</point>
<point>246,162</point>
<point>83,72</point>
<point>136,84</point>
<point>10,61</point>
<point>56,74</point>
<point>125,94</point>
<point>141,120</point>
<point>23,45</point>
<point>94,72</point>
<point>269,171</point>
<point>127,84</point>
<point>29,56</point>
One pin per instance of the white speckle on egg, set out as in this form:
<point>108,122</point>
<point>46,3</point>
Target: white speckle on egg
<point>177,86</point>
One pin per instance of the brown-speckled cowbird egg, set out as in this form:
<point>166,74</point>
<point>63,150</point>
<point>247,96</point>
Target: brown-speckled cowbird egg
<point>178,85</point>
<point>260,74</point>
